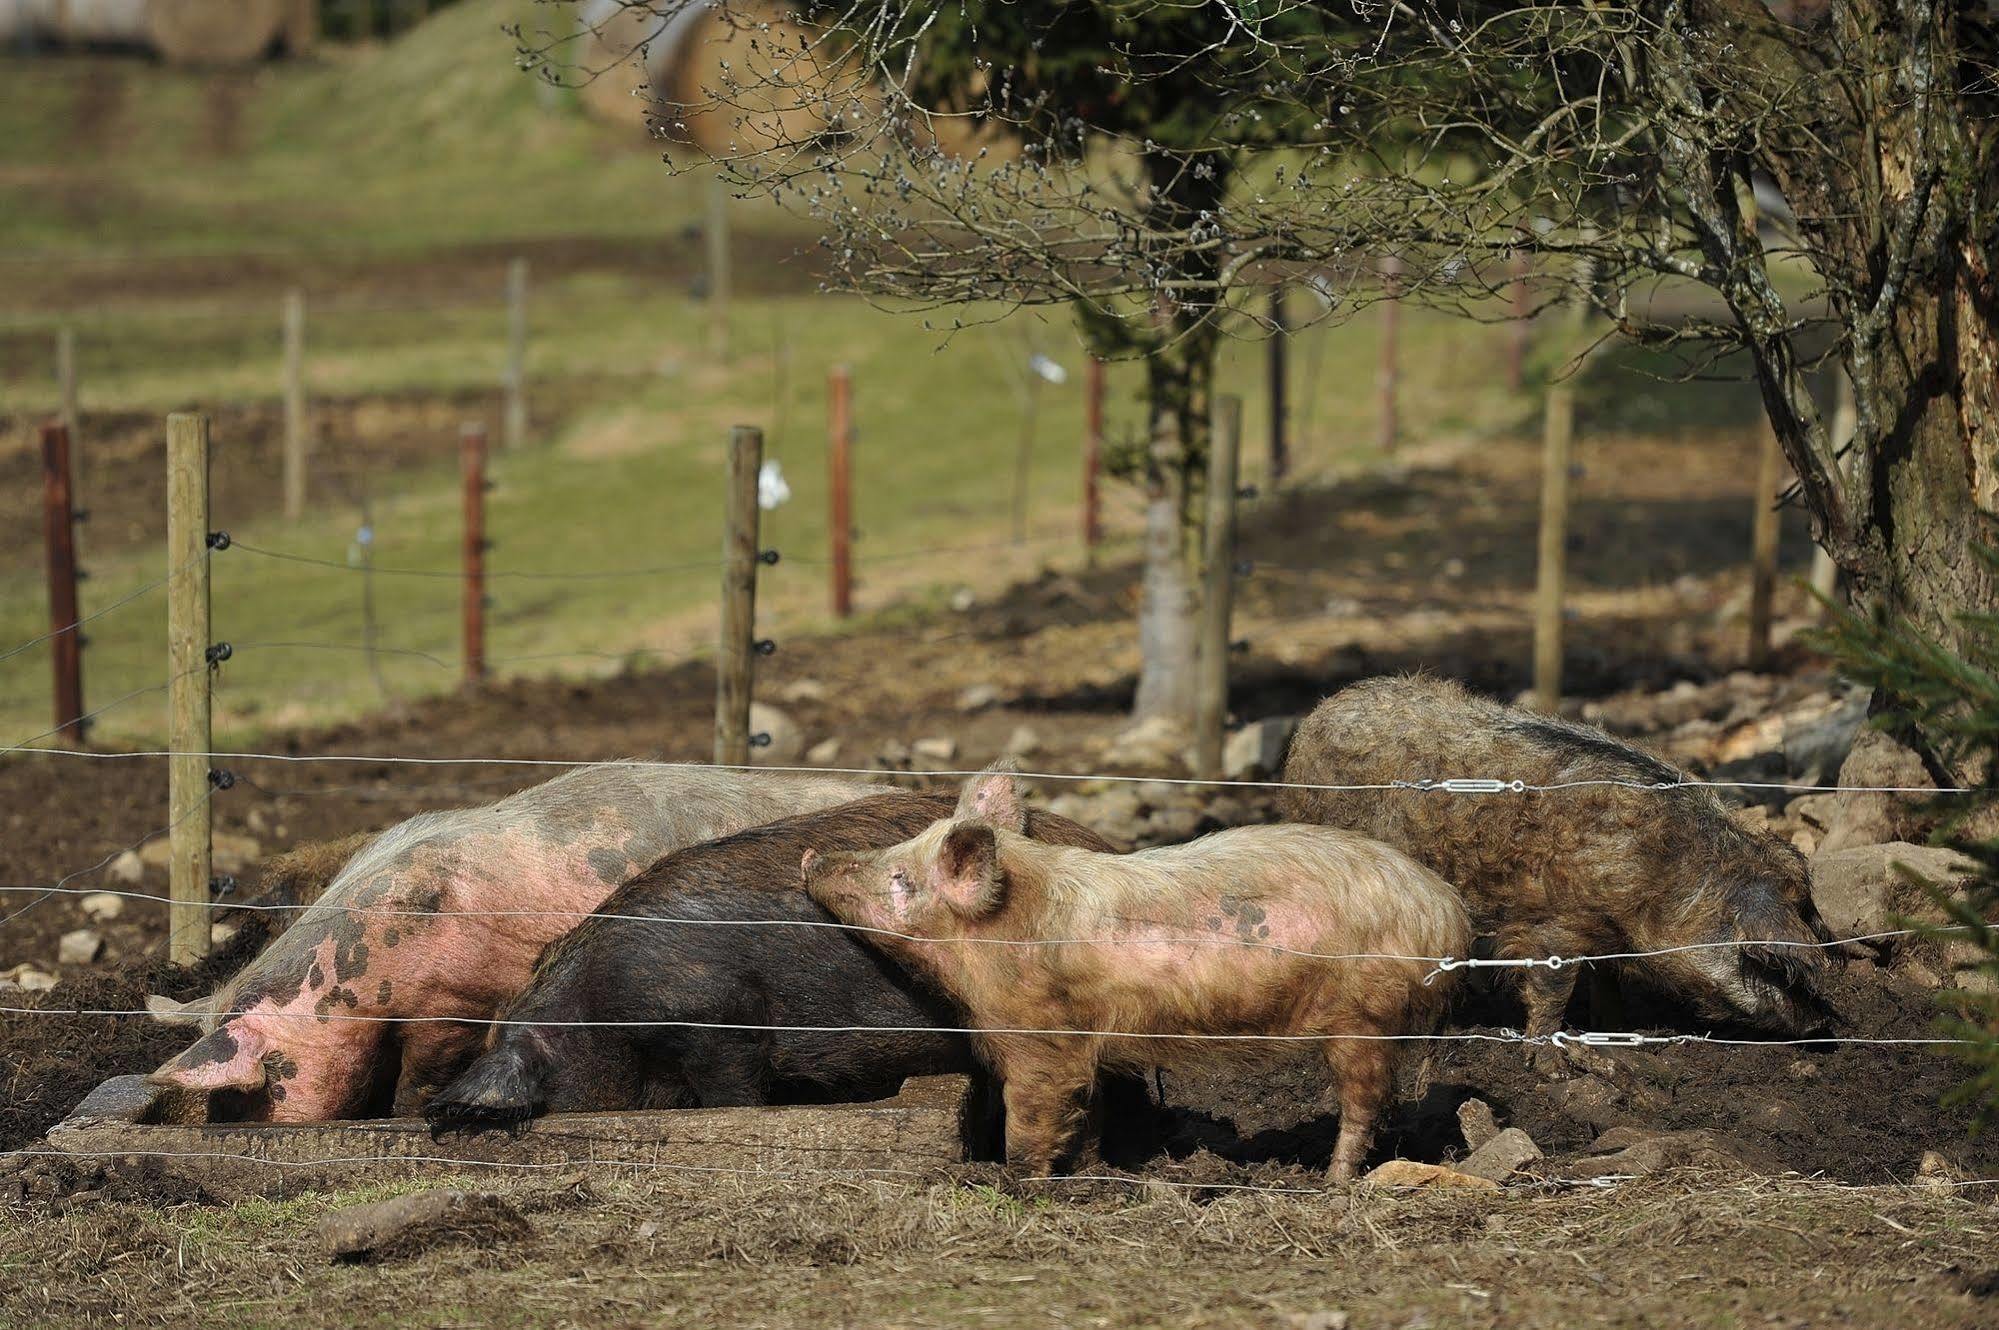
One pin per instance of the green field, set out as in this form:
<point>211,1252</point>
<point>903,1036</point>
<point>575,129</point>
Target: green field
<point>388,182</point>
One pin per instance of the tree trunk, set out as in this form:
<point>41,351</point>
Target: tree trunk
<point>1179,378</point>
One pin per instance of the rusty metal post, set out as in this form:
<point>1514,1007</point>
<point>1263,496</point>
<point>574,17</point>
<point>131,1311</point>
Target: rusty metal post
<point>839,490</point>
<point>59,538</point>
<point>472,468</point>
<point>739,598</point>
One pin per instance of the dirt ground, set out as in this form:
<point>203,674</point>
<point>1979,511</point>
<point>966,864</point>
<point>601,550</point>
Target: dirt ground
<point>1773,1209</point>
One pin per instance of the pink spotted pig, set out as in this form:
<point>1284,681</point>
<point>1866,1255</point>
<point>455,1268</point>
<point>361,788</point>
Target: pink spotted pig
<point>1259,931</point>
<point>400,933</point>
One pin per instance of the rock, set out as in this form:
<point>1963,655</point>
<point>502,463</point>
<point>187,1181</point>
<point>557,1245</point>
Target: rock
<point>1781,1116</point>
<point>1155,744</point>
<point>1501,1157</point>
<point>1256,751</point>
<point>1871,819</point>
<point>28,978</point>
<point>1324,1319</point>
<point>824,753</point>
<point>1409,1173</point>
<point>787,740</point>
<point>1170,826</point>
<point>102,906</point>
<point>1803,1069</point>
<point>935,749</point>
<point>1861,890</point>
<point>1476,1121</point>
<point>169,1012</point>
<point>802,690</point>
<point>232,853</point>
<point>978,697</point>
<point>1634,1152</point>
<point>79,946</point>
<point>1935,1173</point>
<point>405,1225</point>
<point>892,754</point>
<point>1023,742</point>
<point>128,868</point>
<point>963,599</point>
<point>1819,735</point>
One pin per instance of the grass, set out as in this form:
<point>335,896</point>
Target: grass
<point>415,165</point>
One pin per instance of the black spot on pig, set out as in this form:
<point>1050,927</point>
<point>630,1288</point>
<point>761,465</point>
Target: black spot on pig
<point>610,866</point>
<point>382,994</point>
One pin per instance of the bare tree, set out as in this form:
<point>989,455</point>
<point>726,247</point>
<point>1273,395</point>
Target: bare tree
<point>1156,163</point>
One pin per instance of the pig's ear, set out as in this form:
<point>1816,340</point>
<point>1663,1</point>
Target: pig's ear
<point>993,796</point>
<point>967,871</point>
<point>805,863</point>
<point>231,1058</point>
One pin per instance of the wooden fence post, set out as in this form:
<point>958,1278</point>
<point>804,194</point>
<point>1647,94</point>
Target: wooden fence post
<point>188,687</point>
<point>716,233</point>
<point>1277,353</point>
<point>70,415</point>
<point>1093,455</point>
<point>1218,591</point>
<point>472,466</point>
<point>59,539</point>
<point>739,598</point>
<point>1552,563</point>
<point>514,421</point>
<point>1763,550</point>
<point>295,417</point>
<point>839,489</point>
<point>1389,372</point>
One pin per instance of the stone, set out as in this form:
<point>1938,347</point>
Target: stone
<point>935,749</point>
<point>102,906</point>
<point>1025,741</point>
<point>1820,734</point>
<point>1409,1173</point>
<point>1326,1318</point>
<point>1256,751</point>
<point>1634,1152</point>
<point>963,599</point>
<point>1477,1122</point>
<point>1154,744</point>
<point>128,868</point>
<point>1170,826</point>
<point>802,690</point>
<point>169,1012</point>
<point>79,946</point>
<point>406,1225</point>
<point>1861,890</point>
<point>892,754</point>
<point>824,753</point>
<point>978,697</point>
<point>1935,1173</point>
<point>787,740</point>
<point>28,978</point>
<point>1501,1157</point>
<point>1873,818</point>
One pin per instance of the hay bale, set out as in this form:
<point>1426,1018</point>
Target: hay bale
<point>214,32</point>
<point>617,57</point>
<point>746,79</point>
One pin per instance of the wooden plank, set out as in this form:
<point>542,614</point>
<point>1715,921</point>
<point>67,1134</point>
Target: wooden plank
<point>922,1130</point>
<point>739,597</point>
<point>188,687</point>
<point>1218,590</point>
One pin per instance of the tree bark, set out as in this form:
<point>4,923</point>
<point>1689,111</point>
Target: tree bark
<point>1179,382</point>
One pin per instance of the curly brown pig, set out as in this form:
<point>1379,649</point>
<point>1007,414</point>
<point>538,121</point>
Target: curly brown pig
<point>1054,952</point>
<point>1591,870</point>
